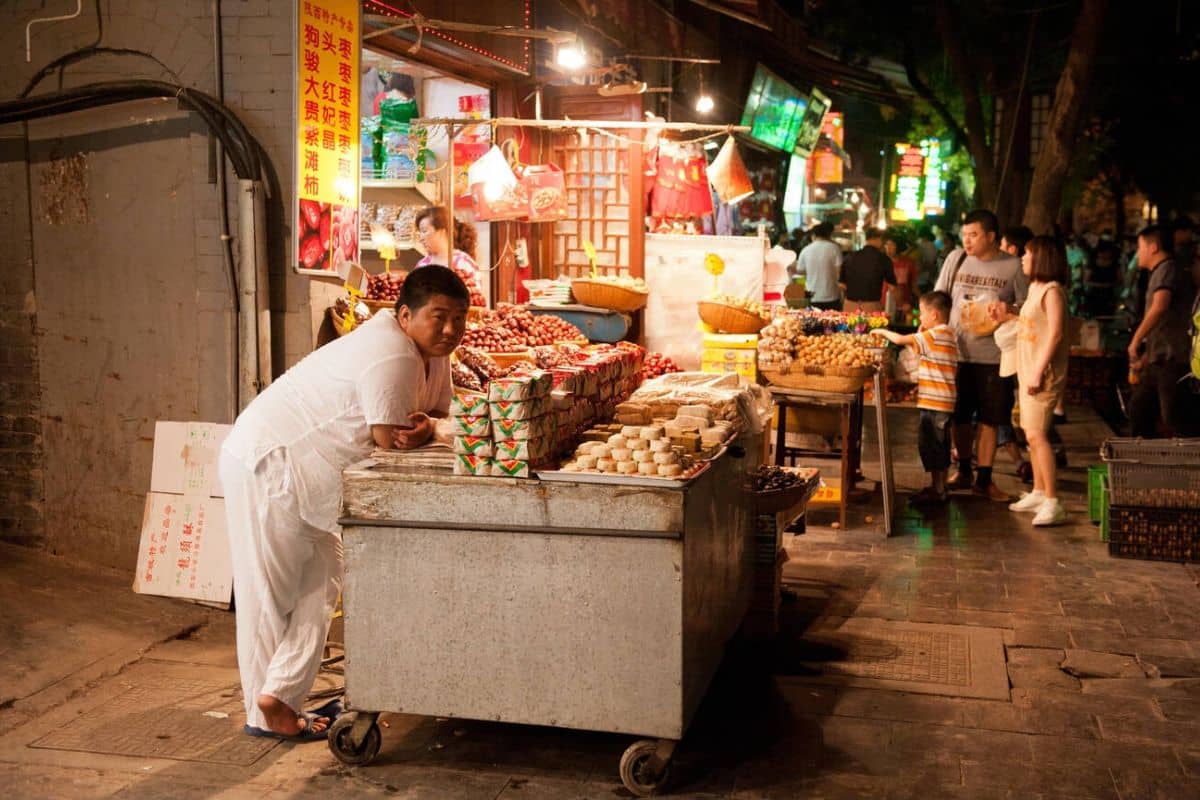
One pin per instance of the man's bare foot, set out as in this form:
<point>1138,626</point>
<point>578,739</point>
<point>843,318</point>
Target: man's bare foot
<point>283,720</point>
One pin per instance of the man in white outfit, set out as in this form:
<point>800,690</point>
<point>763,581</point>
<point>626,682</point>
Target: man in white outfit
<point>281,469</point>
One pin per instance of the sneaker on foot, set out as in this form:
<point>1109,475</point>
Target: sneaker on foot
<point>960,480</point>
<point>1051,513</point>
<point>1030,501</point>
<point>992,492</point>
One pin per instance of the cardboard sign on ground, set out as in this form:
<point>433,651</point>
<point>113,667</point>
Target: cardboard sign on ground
<point>184,550</point>
<point>185,458</point>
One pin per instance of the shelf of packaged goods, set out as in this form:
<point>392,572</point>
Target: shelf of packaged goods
<point>370,247</point>
<point>416,193</point>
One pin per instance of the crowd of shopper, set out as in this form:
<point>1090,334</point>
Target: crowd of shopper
<point>993,341</point>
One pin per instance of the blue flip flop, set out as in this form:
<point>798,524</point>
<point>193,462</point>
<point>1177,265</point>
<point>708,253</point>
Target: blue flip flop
<point>333,709</point>
<point>305,735</point>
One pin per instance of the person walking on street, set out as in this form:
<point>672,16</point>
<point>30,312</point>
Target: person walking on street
<point>976,276</point>
<point>819,263</point>
<point>1160,347</point>
<point>865,271</point>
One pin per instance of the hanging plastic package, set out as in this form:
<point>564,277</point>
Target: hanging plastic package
<point>495,189</point>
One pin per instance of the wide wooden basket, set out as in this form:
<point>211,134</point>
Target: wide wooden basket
<point>812,378</point>
<point>508,359</point>
<point>730,319</point>
<point>603,294</point>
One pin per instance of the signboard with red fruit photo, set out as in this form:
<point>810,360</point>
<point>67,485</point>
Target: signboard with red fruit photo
<point>327,151</point>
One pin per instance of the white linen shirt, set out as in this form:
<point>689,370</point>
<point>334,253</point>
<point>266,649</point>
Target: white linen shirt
<point>320,412</point>
<point>819,264</point>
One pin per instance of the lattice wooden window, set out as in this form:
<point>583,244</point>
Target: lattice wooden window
<point>600,205</point>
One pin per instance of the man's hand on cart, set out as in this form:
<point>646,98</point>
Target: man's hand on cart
<point>417,435</point>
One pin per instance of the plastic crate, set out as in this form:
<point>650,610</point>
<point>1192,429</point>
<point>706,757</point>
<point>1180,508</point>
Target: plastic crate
<point>1160,473</point>
<point>1105,509</point>
<point>1097,473</point>
<point>1154,534</point>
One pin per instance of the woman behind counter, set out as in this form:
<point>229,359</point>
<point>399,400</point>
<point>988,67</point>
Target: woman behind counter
<point>431,232</point>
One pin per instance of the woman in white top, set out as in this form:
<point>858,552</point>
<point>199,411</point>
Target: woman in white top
<point>431,231</point>
<point>1042,352</point>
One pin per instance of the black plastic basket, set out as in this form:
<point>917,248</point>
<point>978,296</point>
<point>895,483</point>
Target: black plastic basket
<point>1159,473</point>
<point>1154,534</point>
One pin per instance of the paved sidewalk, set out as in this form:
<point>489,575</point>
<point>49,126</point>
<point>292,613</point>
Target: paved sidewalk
<point>1098,662</point>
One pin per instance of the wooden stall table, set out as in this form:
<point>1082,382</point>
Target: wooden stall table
<point>850,408</point>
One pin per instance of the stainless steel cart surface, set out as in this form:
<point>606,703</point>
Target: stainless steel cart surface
<point>578,605</point>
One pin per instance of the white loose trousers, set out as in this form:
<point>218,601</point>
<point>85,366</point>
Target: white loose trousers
<point>286,578</point>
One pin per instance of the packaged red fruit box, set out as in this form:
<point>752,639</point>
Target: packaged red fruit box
<point>471,426</point>
<point>465,404</point>
<point>472,465</point>
<point>473,446</point>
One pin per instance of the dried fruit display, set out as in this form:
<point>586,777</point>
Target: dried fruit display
<point>658,364</point>
<point>385,286</point>
<point>509,328</point>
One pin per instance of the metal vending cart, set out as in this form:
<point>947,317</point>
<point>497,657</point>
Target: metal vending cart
<point>589,605</point>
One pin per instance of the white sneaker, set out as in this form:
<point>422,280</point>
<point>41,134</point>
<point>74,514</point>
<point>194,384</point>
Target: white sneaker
<point>1030,501</point>
<point>1051,513</point>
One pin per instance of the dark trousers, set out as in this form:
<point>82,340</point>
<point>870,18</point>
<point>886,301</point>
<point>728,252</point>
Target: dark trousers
<point>1159,393</point>
<point>933,440</point>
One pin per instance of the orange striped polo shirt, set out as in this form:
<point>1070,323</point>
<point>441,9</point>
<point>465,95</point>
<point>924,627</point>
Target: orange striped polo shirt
<point>938,351</point>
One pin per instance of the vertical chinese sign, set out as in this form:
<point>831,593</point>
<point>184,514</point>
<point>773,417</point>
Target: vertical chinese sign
<point>825,165</point>
<point>907,183</point>
<point>327,146</point>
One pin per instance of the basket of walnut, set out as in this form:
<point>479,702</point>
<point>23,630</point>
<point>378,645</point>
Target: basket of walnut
<point>730,314</point>
<point>616,294</point>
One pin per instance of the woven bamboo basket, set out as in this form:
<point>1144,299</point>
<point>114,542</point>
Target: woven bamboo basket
<point>730,319</point>
<point>508,359</point>
<point>819,379</point>
<point>603,294</point>
<point>336,319</point>
<point>377,305</point>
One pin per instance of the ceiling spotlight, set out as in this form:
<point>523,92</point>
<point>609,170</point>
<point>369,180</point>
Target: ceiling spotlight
<point>704,103</point>
<point>571,56</point>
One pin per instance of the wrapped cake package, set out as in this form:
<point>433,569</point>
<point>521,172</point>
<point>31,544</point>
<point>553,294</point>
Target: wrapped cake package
<point>510,468</point>
<point>471,426</point>
<point>472,465</point>
<point>473,446</point>
<point>467,404</point>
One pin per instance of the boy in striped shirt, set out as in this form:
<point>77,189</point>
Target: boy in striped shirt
<point>937,347</point>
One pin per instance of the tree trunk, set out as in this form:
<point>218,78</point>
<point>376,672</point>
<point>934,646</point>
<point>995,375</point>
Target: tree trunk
<point>1062,128</point>
<point>975,124</point>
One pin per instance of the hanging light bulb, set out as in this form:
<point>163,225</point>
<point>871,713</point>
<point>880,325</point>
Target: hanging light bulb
<point>572,56</point>
<point>704,101</point>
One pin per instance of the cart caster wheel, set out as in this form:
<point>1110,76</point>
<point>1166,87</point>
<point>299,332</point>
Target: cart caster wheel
<point>342,743</point>
<point>638,771</point>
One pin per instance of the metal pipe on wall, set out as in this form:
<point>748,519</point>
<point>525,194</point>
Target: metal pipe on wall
<point>254,321</point>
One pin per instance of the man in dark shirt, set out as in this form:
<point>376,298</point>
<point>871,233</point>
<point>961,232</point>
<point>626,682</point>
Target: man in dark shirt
<point>1160,347</point>
<point>864,272</point>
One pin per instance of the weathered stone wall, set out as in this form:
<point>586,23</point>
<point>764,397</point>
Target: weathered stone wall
<point>116,308</point>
